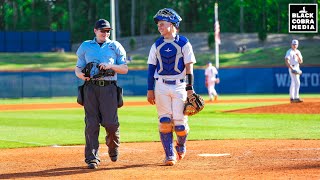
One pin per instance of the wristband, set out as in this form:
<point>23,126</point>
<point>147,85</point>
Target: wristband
<point>189,88</point>
<point>189,79</point>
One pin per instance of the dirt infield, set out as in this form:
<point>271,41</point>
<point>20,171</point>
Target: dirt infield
<point>294,108</point>
<point>216,159</point>
<point>220,159</point>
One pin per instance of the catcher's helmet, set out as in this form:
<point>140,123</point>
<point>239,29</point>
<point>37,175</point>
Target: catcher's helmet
<point>169,15</point>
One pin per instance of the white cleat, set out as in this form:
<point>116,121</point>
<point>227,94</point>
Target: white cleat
<point>181,155</point>
<point>170,162</point>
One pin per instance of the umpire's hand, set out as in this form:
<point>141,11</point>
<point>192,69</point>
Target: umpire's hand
<point>81,75</point>
<point>105,66</point>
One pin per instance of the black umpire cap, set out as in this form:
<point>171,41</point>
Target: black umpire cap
<point>102,24</point>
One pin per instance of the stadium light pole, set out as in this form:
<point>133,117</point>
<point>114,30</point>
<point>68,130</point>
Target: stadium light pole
<point>216,34</point>
<point>113,20</point>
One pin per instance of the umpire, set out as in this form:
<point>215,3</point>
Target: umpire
<point>100,92</point>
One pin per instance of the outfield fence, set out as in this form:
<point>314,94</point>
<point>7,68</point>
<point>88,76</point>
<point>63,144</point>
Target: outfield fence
<point>232,81</point>
<point>34,41</point>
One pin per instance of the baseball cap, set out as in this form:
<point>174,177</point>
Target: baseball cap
<point>102,24</point>
<point>295,42</point>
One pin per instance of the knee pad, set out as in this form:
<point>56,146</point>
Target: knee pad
<point>165,125</point>
<point>181,130</point>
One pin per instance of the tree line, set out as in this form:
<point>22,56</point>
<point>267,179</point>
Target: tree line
<point>135,17</point>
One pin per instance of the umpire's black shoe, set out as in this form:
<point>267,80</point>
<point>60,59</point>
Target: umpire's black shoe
<point>93,165</point>
<point>113,154</point>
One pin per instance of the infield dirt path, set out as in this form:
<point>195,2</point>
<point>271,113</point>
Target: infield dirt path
<point>220,159</point>
<point>215,159</point>
<point>26,106</point>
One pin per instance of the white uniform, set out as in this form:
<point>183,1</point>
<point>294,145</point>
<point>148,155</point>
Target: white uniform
<point>170,97</point>
<point>170,58</point>
<point>167,63</point>
<point>295,78</point>
<point>211,76</point>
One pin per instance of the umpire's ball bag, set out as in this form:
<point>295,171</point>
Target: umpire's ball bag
<point>80,95</point>
<point>119,96</point>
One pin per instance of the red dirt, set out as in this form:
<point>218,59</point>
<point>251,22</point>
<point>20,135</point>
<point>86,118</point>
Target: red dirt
<point>243,159</point>
<point>293,108</point>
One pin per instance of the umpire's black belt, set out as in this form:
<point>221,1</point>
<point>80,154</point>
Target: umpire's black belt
<point>172,82</point>
<point>102,82</point>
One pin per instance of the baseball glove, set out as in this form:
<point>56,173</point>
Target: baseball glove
<point>296,71</point>
<point>193,105</point>
<point>103,73</point>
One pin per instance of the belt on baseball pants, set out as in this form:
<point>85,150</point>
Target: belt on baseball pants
<point>172,82</point>
<point>102,82</point>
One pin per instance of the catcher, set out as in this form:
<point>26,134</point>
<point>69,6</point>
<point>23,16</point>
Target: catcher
<point>170,82</point>
<point>293,59</point>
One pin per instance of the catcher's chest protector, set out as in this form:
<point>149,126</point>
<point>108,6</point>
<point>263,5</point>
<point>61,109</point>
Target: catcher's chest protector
<point>169,56</point>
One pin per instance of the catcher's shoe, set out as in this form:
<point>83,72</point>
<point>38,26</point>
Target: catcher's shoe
<point>181,155</point>
<point>181,152</point>
<point>170,162</point>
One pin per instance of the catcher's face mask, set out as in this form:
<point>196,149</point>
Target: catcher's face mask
<point>168,15</point>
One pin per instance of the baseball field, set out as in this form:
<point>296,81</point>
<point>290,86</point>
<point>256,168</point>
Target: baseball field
<point>236,137</point>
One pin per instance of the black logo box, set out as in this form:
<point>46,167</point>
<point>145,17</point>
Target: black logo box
<point>309,8</point>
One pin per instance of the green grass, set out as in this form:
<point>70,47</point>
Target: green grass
<point>140,98</point>
<point>139,124</point>
<point>37,100</point>
<point>35,61</point>
<point>253,57</point>
<point>261,57</point>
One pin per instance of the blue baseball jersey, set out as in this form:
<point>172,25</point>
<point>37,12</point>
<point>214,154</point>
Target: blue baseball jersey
<point>110,52</point>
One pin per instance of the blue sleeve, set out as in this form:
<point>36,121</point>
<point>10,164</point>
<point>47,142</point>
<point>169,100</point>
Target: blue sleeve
<point>151,70</point>
<point>121,52</point>
<point>81,62</point>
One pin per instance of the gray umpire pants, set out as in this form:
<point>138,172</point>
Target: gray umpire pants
<point>101,108</point>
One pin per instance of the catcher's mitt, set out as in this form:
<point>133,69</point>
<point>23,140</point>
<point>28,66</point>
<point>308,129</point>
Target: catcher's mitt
<point>296,71</point>
<point>193,105</point>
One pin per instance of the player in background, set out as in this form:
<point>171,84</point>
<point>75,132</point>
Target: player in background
<point>212,77</point>
<point>170,80</point>
<point>293,59</point>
